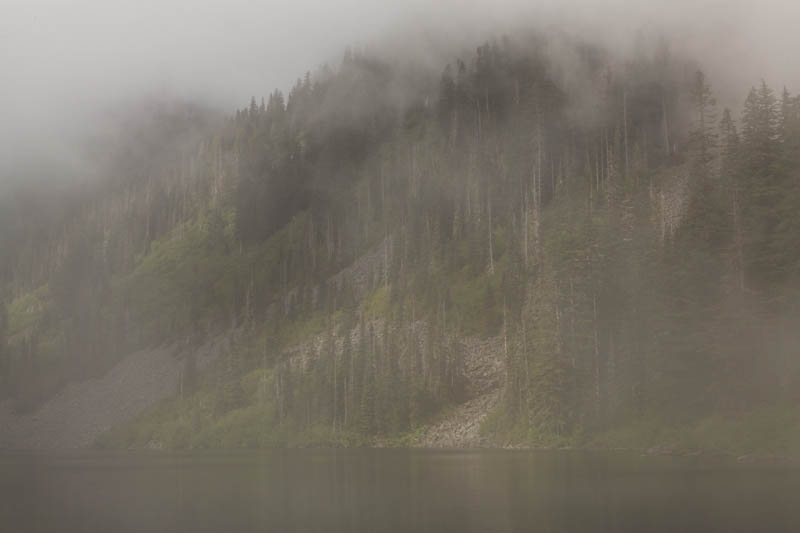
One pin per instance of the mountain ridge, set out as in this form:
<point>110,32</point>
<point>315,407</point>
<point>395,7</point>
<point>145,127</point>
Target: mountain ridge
<point>635,252</point>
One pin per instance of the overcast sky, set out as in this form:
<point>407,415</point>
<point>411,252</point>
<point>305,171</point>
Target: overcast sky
<point>62,60</point>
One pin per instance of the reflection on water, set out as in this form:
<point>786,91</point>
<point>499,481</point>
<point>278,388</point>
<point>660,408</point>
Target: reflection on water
<point>393,491</point>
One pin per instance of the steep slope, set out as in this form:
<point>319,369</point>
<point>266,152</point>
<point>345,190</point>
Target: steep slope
<point>376,232</point>
<point>76,416</point>
<point>460,426</point>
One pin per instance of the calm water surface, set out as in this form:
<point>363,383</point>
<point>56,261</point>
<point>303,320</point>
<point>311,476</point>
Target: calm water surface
<point>392,491</point>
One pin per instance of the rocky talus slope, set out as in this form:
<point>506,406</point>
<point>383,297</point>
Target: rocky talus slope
<point>82,411</point>
<point>484,369</point>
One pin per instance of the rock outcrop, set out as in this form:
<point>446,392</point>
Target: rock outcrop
<point>484,368</point>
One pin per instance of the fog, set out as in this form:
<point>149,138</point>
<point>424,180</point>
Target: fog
<point>68,64</point>
<point>475,225</point>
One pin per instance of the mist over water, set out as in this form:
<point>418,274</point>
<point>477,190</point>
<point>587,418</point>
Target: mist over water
<point>296,227</point>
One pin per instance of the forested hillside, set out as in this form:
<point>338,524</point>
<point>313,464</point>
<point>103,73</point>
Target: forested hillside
<point>631,251</point>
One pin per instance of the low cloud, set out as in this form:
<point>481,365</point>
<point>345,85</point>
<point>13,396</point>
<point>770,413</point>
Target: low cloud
<point>67,62</point>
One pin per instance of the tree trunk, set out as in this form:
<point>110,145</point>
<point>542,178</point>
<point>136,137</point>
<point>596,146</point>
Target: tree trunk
<point>625,126</point>
<point>491,251</point>
<point>596,359</point>
<point>667,147</point>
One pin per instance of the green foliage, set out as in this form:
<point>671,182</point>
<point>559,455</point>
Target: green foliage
<point>26,311</point>
<point>629,265</point>
<point>303,329</point>
<point>376,304</point>
<point>171,281</point>
<point>474,304</point>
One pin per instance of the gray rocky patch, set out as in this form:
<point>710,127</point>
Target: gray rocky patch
<point>76,416</point>
<point>484,369</point>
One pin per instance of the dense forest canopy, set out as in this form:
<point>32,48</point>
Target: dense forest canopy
<point>634,249</point>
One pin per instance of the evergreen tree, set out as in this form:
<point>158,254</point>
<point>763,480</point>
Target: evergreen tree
<point>447,101</point>
<point>761,182</point>
<point>487,201</point>
<point>702,135</point>
<point>367,423</point>
<point>729,145</point>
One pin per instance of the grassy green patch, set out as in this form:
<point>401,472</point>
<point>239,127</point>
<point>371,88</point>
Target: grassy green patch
<point>26,310</point>
<point>298,331</point>
<point>376,304</point>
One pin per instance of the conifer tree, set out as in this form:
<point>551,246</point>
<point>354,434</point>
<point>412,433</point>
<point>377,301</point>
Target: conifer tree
<point>702,135</point>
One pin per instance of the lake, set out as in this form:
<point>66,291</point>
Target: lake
<point>393,491</point>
